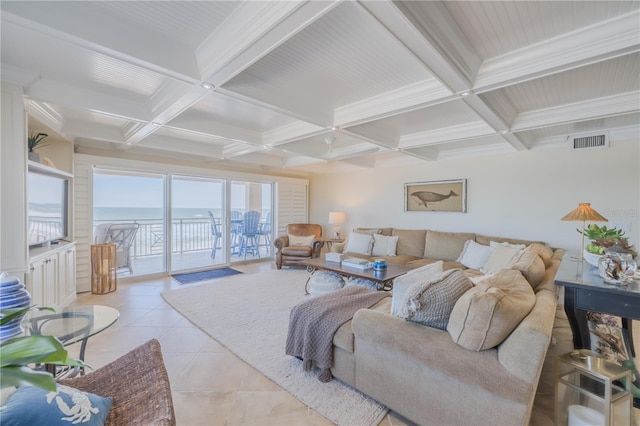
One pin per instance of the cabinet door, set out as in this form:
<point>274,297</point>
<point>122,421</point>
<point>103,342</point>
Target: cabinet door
<point>42,282</point>
<point>66,276</point>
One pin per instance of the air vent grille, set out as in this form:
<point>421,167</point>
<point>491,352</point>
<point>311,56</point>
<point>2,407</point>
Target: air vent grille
<point>592,141</point>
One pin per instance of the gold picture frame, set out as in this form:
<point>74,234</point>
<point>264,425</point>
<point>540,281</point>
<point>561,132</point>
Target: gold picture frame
<point>436,196</point>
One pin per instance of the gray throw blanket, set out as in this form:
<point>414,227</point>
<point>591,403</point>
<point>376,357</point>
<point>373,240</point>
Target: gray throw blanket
<point>313,323</point>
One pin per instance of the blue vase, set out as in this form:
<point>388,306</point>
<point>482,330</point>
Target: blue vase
<point>12,295</point>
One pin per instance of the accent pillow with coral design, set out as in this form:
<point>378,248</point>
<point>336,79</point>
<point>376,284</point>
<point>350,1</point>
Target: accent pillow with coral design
<point>31,405</point>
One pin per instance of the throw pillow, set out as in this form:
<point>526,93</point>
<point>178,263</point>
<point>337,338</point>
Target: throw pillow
<point>494,244</point>
<point>384,246</point>
<point>531,266</point>
<point>359,243</point>
<point>474,255</point>
<point>430,303</point>
<point>545,252</point>
<point>485,315</point>
<point>501,257</point>
<point>304,240</point>
<point>31,405</point>
<point>414,276</point>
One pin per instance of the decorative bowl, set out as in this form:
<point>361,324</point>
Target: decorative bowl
<point>591,258</point>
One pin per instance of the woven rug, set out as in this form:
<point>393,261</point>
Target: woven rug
<point>204,275</point>
<point>249,314</point>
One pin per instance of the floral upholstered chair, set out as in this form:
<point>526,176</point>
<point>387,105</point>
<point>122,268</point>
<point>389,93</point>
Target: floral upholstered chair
<point>303,241</point>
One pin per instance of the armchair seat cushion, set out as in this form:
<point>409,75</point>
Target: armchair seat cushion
<point>298,251</point>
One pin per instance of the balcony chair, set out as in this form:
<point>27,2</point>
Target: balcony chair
<point>264,234</point>
<point>250,234</point>
<point>289,255</point>
<point>216,232</point>
<point>139,385</point>
<point>122,235</point>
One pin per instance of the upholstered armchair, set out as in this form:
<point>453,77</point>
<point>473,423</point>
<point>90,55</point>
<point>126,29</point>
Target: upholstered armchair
<point>289,253</point>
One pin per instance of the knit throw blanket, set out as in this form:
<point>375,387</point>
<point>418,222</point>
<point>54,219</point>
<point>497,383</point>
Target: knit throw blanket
<point>313,323</point>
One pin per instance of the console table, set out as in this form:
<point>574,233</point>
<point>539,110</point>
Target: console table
<point>585,290</point>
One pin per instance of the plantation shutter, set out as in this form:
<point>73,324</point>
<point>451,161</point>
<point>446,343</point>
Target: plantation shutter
<point>292,204</point>
<point>82,223</point>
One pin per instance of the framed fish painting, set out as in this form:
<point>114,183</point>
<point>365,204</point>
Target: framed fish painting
<point>436,196</point>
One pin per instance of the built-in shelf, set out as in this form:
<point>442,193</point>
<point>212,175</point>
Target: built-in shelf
<point>46,169</point>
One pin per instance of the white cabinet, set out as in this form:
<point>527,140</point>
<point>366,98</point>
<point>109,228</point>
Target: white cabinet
<point>51,278</point>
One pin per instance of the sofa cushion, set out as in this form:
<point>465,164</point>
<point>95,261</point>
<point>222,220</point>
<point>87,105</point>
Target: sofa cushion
<point>446,264</point>
<point>415,276</point>
<point>344,336</point>
<point>545,252</point>
<point>301,240</point>
<point>501,257</point>
<point>410,242</point>
<point>300,251</point>
<point>359,243</point>
<point>486,314</point>
<point>474,255</point>
<point>445,245</point>
<point>531,265</point>
<point>430,302</point>
<point>384,246</point>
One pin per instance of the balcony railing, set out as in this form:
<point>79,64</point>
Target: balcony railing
<point>188,235</point>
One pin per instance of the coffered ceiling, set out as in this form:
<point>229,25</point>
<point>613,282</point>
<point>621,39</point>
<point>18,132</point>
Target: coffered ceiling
<point>321,86</point>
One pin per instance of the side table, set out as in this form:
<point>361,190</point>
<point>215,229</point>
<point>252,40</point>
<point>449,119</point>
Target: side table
<point>329,242</point>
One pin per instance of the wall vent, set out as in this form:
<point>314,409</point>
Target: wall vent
<point>589,141</point>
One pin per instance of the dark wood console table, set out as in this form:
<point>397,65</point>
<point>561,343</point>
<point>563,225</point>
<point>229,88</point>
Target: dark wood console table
<point>585,290</point>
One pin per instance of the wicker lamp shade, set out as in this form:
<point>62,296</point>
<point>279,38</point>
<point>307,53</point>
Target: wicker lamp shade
<point>584,213</point>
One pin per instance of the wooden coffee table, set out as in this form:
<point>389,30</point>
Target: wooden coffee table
<point>383,278</point>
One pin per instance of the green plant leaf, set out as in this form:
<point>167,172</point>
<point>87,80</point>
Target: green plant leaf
<point>32,349</point>
<point>9,314</point>
<point>17,375</point>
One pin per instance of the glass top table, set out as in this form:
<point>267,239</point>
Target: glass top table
<point>70,325</point>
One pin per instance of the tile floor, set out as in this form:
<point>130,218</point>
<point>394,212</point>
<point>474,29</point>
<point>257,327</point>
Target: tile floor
<point>210,385</point>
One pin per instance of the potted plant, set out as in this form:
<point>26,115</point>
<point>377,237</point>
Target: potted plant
<point>33,141</point>
<point>603,238</point>
<point>18,352</point>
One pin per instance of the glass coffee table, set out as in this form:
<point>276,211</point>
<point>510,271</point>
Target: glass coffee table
<point>71,325</point>
<point>383,278</point>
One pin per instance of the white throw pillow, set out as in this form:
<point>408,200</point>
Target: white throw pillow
<point>474,255</point>
<point>304,240</point>
<point>403,282</point>
<point>384,245</point>
<point>502,257</point>
<point>359,243</point>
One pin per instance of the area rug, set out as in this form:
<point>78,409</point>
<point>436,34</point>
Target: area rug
<point>249,314</point>
<point>204,275</point>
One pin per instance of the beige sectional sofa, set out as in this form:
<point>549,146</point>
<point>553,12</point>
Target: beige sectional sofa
<point>422,373</point>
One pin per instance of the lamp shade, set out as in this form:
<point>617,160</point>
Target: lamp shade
<point>337,218</point>
<point>584,212</point>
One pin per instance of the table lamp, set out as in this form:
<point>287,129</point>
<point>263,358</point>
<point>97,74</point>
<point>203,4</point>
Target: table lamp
<point>584,213</point>
<point>336,219</point>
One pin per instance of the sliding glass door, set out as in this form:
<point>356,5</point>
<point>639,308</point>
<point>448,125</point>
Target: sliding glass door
<point>128,210</point>
<point>198,226</point>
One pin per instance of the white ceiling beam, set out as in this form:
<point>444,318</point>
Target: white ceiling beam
<point>624,103</point>
<point>408,98</point>
<point>598,42</point>
<point>82,98</point>
<point>199,123</point>
<point>292,132</point>
<point>189,147</point>
<point>446,134</point>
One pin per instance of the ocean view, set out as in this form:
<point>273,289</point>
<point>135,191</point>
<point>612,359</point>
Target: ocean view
<point>150,213</point>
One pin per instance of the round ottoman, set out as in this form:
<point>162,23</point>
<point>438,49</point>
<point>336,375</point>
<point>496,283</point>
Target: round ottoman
<point>323,282</point>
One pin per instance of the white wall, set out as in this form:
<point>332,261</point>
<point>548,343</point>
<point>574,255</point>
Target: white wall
<point>519,195</point>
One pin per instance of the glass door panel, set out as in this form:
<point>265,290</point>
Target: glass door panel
<point>251,231</point>
<point>198,230</point>
<point>128,210</point>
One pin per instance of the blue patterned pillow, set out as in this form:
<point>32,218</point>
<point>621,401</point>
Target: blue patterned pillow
<point>31,405</point>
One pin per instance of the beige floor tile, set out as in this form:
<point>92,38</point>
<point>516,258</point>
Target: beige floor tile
<point>221,371</point>
<point>124,339</point>
<point>161,317</point>
<point>180,340</point>
<point>213,346</point>
<point>202,408</point>
<point>176,362</point>
<point>272,408</point>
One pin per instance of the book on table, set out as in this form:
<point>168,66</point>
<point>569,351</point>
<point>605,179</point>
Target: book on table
<point>354,262</point>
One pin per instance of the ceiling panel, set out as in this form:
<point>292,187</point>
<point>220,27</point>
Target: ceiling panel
<point>598,80</point>
<point>344,57</point>
<point>497,27</point>
<point>602,124</point>
<point>188,22</point>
